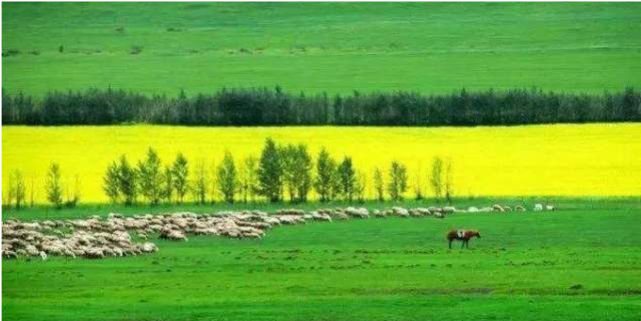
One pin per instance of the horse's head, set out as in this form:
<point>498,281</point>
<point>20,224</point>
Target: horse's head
<point>477,234</point>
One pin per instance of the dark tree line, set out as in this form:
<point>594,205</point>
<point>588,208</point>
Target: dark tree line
<point>272,107</point>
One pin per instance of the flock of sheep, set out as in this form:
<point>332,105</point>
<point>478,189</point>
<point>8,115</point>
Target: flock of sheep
<point>97,238</point>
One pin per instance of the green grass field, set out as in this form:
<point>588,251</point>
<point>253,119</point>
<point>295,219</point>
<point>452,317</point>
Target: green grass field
<point>322,47</point>
<point>582,262</point>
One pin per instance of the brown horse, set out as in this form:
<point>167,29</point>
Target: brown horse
<point>462,235</point>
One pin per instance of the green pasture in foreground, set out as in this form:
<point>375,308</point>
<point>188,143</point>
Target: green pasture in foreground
<point>429,47</point>
<point>582,262</point>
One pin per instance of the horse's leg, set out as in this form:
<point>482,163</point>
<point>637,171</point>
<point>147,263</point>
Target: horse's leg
<point>450,244</point>
<point>462,244</point>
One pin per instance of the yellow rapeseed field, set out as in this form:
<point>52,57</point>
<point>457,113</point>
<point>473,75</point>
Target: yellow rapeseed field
<point>594,159</point>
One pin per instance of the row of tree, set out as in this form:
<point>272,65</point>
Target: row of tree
<point>281,172</point>
<point>57,192</point>
<point>263,106</point>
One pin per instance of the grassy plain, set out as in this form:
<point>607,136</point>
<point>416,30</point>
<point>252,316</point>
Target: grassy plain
<point>580,263</point>
<point>338,48</point>
<point>594,159</point>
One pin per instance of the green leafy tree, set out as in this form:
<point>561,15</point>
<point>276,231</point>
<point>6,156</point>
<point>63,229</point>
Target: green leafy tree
<point>7,198</point>
<point>325,175</point>
<point>180,173</point>
<point>449,184</point>
<point>418,186</point>
<point>53,185</point>
<point>32,193</point>
<point>168,184</point>
<point>360,186</point>
<point>227,178</point>
<point>303,172</point>
<point>379,184</point>
<point>4,197</point>
<point>249,179</point>
<point>150,178</point>
<point>110,183</point>
<point>631,104</point>
<point>397,181</point>
<point>347,179</point>
<point>73,199</point>
<point>270,172</point>
<point>260,106</point>
<point>7,202</point>
<point>200,183</point>
<point>17,189</point>
<point>288,159</point>
<point>7,195</point>
<point>436,178</point>
<point>127,181</point>
<point>297,166</point>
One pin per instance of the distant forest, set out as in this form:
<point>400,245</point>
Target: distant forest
<point>275,107</point>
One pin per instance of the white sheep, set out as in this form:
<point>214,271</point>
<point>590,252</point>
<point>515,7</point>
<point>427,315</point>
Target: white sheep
<point>399,211</point>
<point>449,209</point>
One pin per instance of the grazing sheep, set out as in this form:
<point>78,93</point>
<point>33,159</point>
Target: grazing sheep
<point>449,209</point>
<point>357,212</point>
<point>32,226</point>
<point>291,219</point>
<point>399,211</point>
<point>114,215</point>
<point>117,251</point>
<point>538,207</point>
<point>271,220</point>
<point>32,250</point>
<point>9,254</point>
<point>290,212</point>
<point>148,247</point>
<point>8,251</point>
<point>321,217</point>
<point>341,216</point>
<point>48,223</point>
<point>173,235</point>
<point>94,253</point>
<point>378,213</point>
<point>98,238</point>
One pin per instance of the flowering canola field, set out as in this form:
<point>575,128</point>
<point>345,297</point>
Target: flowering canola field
<point>572,160</point>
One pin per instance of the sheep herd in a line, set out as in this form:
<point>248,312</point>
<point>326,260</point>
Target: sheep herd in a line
<point>97,238</point>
